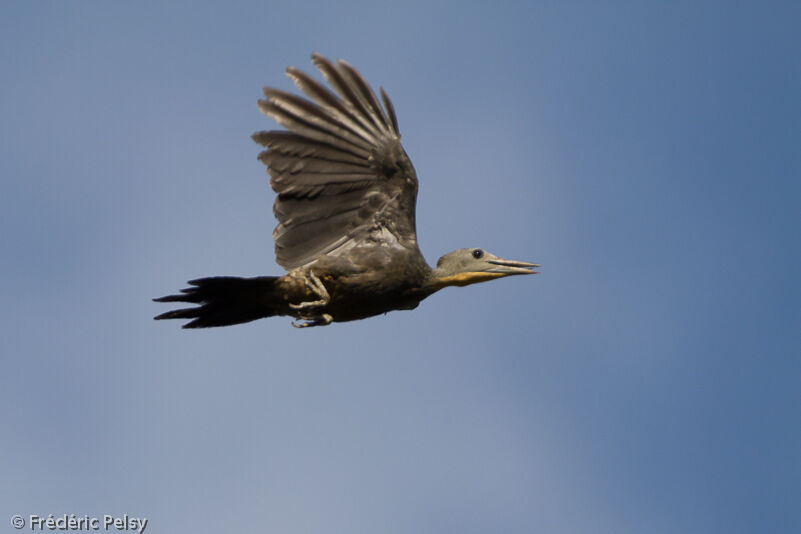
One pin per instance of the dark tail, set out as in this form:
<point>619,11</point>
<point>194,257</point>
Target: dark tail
<point>225,300</point>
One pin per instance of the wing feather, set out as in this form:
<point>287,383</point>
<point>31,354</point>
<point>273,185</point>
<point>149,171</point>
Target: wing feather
<point>365,95</point>
<point>303,126</point>
<point>339,169</point>
<point>345,90</point>
<point>326,99</point>
<point>280,163</point>
<point>390,111</point>
<point>291,145</point>
<point>317,116</point>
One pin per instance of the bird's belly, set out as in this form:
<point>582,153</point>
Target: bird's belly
<point>354,298</point>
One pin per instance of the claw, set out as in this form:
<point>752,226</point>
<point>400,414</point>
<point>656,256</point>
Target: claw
<point>316,320</point>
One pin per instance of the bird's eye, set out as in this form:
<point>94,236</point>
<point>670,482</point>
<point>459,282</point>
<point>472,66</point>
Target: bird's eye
<point>478,253</point>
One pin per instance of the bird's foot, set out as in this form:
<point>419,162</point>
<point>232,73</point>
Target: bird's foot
<point>316,286</point>
<point>314,320</point>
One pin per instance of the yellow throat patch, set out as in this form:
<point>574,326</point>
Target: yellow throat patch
<point>465,279</point>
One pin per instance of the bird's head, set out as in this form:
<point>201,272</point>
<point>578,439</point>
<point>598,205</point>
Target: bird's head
<point>472,265</point>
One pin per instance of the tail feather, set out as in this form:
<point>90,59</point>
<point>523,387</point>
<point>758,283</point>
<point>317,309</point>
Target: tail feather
<point>224,300</point>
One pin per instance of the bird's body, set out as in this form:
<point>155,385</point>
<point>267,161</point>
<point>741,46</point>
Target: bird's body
<point>373,281</point>
<point>346,211</point>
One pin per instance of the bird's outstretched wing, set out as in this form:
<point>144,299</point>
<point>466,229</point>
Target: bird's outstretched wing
<point>341,174</point>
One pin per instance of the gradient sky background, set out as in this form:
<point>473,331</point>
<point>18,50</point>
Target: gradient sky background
<point>649,380</point>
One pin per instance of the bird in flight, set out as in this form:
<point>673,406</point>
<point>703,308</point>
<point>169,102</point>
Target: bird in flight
<point>346,216</point>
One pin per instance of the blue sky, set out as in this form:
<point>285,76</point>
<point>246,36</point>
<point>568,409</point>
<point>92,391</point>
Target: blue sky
<point>646,154</point>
